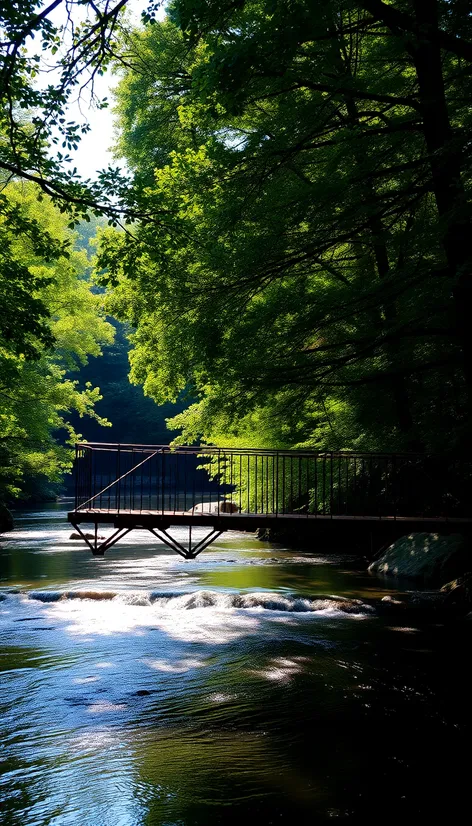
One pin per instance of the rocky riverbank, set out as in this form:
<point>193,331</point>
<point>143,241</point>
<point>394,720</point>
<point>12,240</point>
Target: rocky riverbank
<point>438,567</point>
<point>443,563</point>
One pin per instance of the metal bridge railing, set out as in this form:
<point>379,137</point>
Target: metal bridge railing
<point>160,479</point>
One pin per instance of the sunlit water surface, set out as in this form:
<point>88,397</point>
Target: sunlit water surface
<point>145,689</point>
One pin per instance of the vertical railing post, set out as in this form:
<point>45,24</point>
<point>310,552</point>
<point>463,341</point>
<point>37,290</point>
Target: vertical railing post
<point>231,457</point>
<point>255,482</point>
<point>277,484</point>
<point>141,490</point>
<point>299,483</point>
<point>331,496</point>
<point>176,478</point>
<point>315,496</point>
<point>283,483</point>
<point>262,483</point>
<point>448,474</point>
<point>248,483</point>
<point>163,477</point>
<point>76,477</point>
<point>132,483</point>
<point>219,482</point>
<point>240,481</point>
<point>370,504</point>
<point>150,484</point>
<point>394,486</point>
<point>91,485</point>
<point>291,484</point>
<point>306,483</point>
<point>118,474</point>
<point>339,460</point>
<point>324,483</point>
<point>348,458</point>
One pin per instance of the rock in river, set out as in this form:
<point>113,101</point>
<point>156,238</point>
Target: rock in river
<point>428,556</point>
<point>458,595</point>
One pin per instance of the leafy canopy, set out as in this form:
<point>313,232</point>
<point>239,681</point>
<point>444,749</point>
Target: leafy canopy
<point>310,280</point>
<point>37,395</point>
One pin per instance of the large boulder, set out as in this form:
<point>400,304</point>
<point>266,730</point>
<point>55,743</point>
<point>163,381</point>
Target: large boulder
<point>428,556</point>
<point>458,595</point>
<point>6,519</point>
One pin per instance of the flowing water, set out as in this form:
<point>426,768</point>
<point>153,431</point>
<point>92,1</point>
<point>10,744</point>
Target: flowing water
<point>143,689</point>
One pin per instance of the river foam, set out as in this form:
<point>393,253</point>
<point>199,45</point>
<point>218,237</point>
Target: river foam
<point>185,601</point>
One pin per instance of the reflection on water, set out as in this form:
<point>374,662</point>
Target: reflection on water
<point>256,682</point>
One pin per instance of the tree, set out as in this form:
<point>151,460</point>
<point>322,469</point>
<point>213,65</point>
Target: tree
<point>42,271</point>
<point>74,44</point>
<point>316,230</point>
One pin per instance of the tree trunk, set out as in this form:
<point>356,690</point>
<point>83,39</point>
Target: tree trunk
<point>379,247</point>
<point>445,164</point>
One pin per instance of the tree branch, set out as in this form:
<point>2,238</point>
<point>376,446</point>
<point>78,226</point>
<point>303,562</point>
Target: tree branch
<point>401,21</point>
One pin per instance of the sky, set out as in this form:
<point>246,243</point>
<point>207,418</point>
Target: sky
<point>94,149</point>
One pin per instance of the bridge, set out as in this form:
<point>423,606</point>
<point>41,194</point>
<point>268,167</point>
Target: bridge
<point>376,495</point>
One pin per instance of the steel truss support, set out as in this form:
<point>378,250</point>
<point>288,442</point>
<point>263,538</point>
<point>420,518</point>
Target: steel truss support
<point>190,552</point>
<point>98,549</point>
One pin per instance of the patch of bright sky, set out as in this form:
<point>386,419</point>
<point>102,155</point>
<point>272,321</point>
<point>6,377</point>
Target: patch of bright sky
<point>95,148</point>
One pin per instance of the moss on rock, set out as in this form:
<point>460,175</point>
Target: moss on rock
<point>428,556</point>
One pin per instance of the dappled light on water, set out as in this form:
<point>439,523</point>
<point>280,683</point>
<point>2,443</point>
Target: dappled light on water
<point>256,682</point>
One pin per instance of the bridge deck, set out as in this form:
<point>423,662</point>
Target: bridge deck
<point>236,521</point>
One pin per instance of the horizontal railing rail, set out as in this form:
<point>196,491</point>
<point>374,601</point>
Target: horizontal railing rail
<point>230,481</point>
<point>203,449</point>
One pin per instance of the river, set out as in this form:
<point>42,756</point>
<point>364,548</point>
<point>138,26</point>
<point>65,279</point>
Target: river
<point>145,690</point>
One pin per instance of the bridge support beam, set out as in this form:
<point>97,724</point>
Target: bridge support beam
<point>98,547</point>
<point>191,551</point>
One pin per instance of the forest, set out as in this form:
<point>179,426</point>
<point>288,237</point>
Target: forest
<point>281,250</point>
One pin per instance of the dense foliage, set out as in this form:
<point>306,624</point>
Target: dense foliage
<point>50,320</point>
<point>292,255</point>
<point>50,323</point>
<point>312,283</point>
